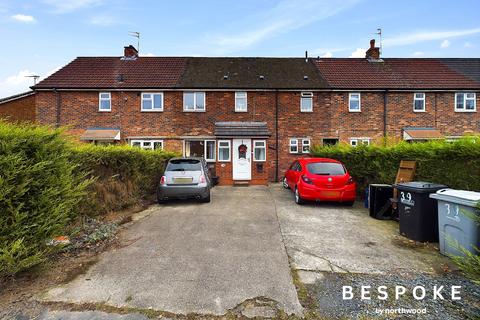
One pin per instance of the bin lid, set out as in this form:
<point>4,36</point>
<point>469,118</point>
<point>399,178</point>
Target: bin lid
<point>420,186</point>
<point>464,197</point>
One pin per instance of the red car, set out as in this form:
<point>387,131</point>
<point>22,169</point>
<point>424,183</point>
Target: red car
<point>320,179</point>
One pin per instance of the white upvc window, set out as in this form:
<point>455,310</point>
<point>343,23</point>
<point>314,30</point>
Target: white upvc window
<point>354,104</point>
<point>359,141</point>
<point>224,151</point>
<point>152,101</point>
<point>419,102</point>
<point>241,104</point>
<point>104,101</point>
<point>293,145</point>
<point>259,150</point>
<point>465,102</point>
<point>194,101</point>
<point>305,145</point>
<point>148,144</point>
<point>306,102</point>
<point>210,150</point>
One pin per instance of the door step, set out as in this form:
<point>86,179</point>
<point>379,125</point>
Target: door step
<point>241,183</point>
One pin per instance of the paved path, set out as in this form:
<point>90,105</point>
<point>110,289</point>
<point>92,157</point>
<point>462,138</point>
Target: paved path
<point>194,258</point>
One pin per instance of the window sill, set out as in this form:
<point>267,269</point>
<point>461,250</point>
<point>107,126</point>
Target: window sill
<point>466,111</point>
<point>355,111</point>
<point>419,111</point>
<point>224,161</point>
<point>105,110</point>
<point>259,160</point>
<point>306,111</point>
<point>194,110</point>
<point>151,110</point>
<point>241,111</point>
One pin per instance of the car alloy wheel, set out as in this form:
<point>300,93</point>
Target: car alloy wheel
<point>298,199</point>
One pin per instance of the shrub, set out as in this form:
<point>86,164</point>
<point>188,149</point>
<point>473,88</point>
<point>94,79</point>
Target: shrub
<point>456,164</point>
<point>123,175</point>
<point>39,192</point>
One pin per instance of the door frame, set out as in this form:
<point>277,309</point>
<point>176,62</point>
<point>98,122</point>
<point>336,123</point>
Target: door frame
<point>236,142</point>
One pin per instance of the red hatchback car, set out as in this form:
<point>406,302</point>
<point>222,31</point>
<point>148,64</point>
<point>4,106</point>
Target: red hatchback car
<point>320,179</point>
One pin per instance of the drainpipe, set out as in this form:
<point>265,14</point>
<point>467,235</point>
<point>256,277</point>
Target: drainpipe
<point>276,135</point>
<point>385,101</point>
<point>58,104</point>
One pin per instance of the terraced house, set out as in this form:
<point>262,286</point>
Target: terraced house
<point>251,117</point>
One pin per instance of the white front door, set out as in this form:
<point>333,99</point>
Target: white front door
<point>242,167</point>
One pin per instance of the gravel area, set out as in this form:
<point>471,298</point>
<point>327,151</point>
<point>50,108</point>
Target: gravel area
<point>328,292</point>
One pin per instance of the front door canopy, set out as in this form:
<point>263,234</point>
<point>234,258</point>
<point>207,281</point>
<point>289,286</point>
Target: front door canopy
<point>241,129</point>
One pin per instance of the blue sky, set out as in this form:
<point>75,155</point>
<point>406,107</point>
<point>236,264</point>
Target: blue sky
<point>42,35</point>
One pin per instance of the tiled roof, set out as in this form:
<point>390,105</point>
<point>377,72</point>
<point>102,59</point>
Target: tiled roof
<point>237,73</point>
<point>236,129</point>
<point>114,72</point>
<point>469,67</point>
<point>393,73</point>
<point>16,96</point>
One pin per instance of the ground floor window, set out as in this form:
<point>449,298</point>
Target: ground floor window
<point>224,150</point>
<point>305,145</point>
<point>200,148</point>
<point>148,144</point>
<point>259,150</point>
<point>359,141</point>
<point>295,146</point>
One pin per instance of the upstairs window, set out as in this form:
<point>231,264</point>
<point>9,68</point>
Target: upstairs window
<point>354,102</point>
<point>419,102</point>
<point>306,102</point>
<point>152,101</point>
<point>194,101</point>
<point>240,101</point>
<point>465,102</point>
<point>259,150</point>
<point>104,101</point>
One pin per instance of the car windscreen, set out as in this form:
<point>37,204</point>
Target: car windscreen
<point>326,168</point>
<point>184,165</point>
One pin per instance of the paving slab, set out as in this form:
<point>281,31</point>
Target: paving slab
<point>337,238</point>
<point>191,258</point>
<point>89,315</point>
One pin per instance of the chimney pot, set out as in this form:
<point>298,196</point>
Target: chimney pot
<point>130,52</point>
<point>372,43</point>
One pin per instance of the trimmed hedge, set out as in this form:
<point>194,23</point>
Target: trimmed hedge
<point>123,175</point>
<point>47,181</point>
<point>455,164</point>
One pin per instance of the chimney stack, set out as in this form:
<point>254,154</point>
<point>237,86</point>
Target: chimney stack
<point>129,52</point>
<point>373,53</point>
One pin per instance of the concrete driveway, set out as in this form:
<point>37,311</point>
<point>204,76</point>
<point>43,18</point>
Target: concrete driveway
<point>191,258</point>
<point>338,238</point>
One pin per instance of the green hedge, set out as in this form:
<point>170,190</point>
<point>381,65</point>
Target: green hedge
<point>46,182</point>
<point>455,164</point>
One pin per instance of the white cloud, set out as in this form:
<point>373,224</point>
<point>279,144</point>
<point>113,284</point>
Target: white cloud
<point>287,15</point>
<point>418,53</point>
<point>358,53</point>
<point>415,37</point>
<point>16,83</point>
<point>467,45</point>
<point>24,18</point>
<point>103,21</point>
<point>445,44</point>
<point>327,54</point>
<point>20,82</point>
<point>65,6</point>
<point>146,54</point>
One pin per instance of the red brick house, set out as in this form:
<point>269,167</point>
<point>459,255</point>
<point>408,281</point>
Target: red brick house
<point>250,117</point>
<point>18,108</point>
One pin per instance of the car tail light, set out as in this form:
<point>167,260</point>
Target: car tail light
<point>350,180</point>
<point>202,179</point>
<point>307,180</point>
<point>163,181</point>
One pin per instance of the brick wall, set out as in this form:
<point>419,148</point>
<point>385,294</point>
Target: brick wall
<point>19,110</point>
<point>330,118</point>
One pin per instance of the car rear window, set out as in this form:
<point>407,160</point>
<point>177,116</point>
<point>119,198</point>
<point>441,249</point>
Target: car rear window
<point>326,168</point>
<point>184,165</point>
